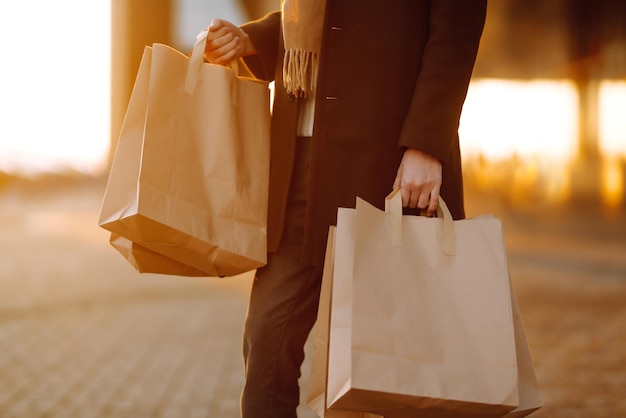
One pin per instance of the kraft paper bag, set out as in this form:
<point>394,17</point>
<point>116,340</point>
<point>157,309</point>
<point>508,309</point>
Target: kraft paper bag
<point>316,397</point>
<point>528,389</point>
<point>190,175</point>
<point>421,318</point>
<point>529,395</point>
<point>147,261</point>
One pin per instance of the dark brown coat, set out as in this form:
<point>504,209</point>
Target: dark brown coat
<point>392,75</point>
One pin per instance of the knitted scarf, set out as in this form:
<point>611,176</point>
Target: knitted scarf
<point>302,30</point>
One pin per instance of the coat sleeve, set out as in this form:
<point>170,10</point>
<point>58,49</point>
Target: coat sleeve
<point>455,28</point>
<point>265,35</point>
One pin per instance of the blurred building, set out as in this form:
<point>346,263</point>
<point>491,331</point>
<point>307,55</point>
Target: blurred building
<point>543,121</point>
<point>536,125</point>
<point>560,69</point>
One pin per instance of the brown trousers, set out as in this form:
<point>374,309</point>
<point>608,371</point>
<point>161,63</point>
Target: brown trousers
<point>282,310</point>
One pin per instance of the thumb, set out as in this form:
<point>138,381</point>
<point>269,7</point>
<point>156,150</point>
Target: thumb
<point>215,24</point>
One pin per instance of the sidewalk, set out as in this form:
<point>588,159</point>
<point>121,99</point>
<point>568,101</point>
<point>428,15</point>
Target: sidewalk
<point>83,335</point>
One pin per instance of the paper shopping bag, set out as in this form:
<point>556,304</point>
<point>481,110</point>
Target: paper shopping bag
<point>421,320</point>
<point>528,390</point>
<point>147,261</point>
<point>316,397</point>
<point>189,179</point>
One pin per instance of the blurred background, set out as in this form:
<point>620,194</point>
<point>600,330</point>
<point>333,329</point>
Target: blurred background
<point>543,136</point>
<point>543,120</point>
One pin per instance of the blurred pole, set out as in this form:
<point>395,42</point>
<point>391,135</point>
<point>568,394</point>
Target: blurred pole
<point>134,24</point>
<point>584,20</point>
<point>258,8</point>
<point>584,30</point>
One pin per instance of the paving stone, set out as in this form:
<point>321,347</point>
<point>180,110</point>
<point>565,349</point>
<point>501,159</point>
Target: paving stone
<point>83,335</point>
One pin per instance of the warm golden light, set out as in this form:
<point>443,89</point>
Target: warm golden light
<point>55,84</point>
<point>612,118</point>
<point>612,129</point>
<point>502,118</point>
<point>612,182</point>
<point>521,137</point>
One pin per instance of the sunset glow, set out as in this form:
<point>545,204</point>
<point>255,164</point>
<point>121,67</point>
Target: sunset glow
<point>55,107</point>
<point>502,118</point>
<point>612,118</point>
<point>55,84</point>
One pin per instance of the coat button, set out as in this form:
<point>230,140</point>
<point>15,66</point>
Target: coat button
<point>291,97</point>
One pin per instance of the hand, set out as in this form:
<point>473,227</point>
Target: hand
<point>419,179</point>
<point>226,42</point>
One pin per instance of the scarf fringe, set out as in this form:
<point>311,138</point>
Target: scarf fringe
<point>300,70</point>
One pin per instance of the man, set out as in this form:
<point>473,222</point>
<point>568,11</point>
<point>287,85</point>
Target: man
<point>368,98</point>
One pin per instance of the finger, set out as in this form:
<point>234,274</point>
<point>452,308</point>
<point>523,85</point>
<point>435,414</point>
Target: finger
<point>415,199</point>
<point>229,56</point>
<point>231,50</point>
<point>434,202</point>
<point>406,195</point>
<point>215,24</point>
<point>423,200</point>
<point>216,35</point>
<point>218,40</point>
<point>225,53</point>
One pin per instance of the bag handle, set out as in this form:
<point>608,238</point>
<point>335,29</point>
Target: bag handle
<point>393,208</point>
<point>197,59</point>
